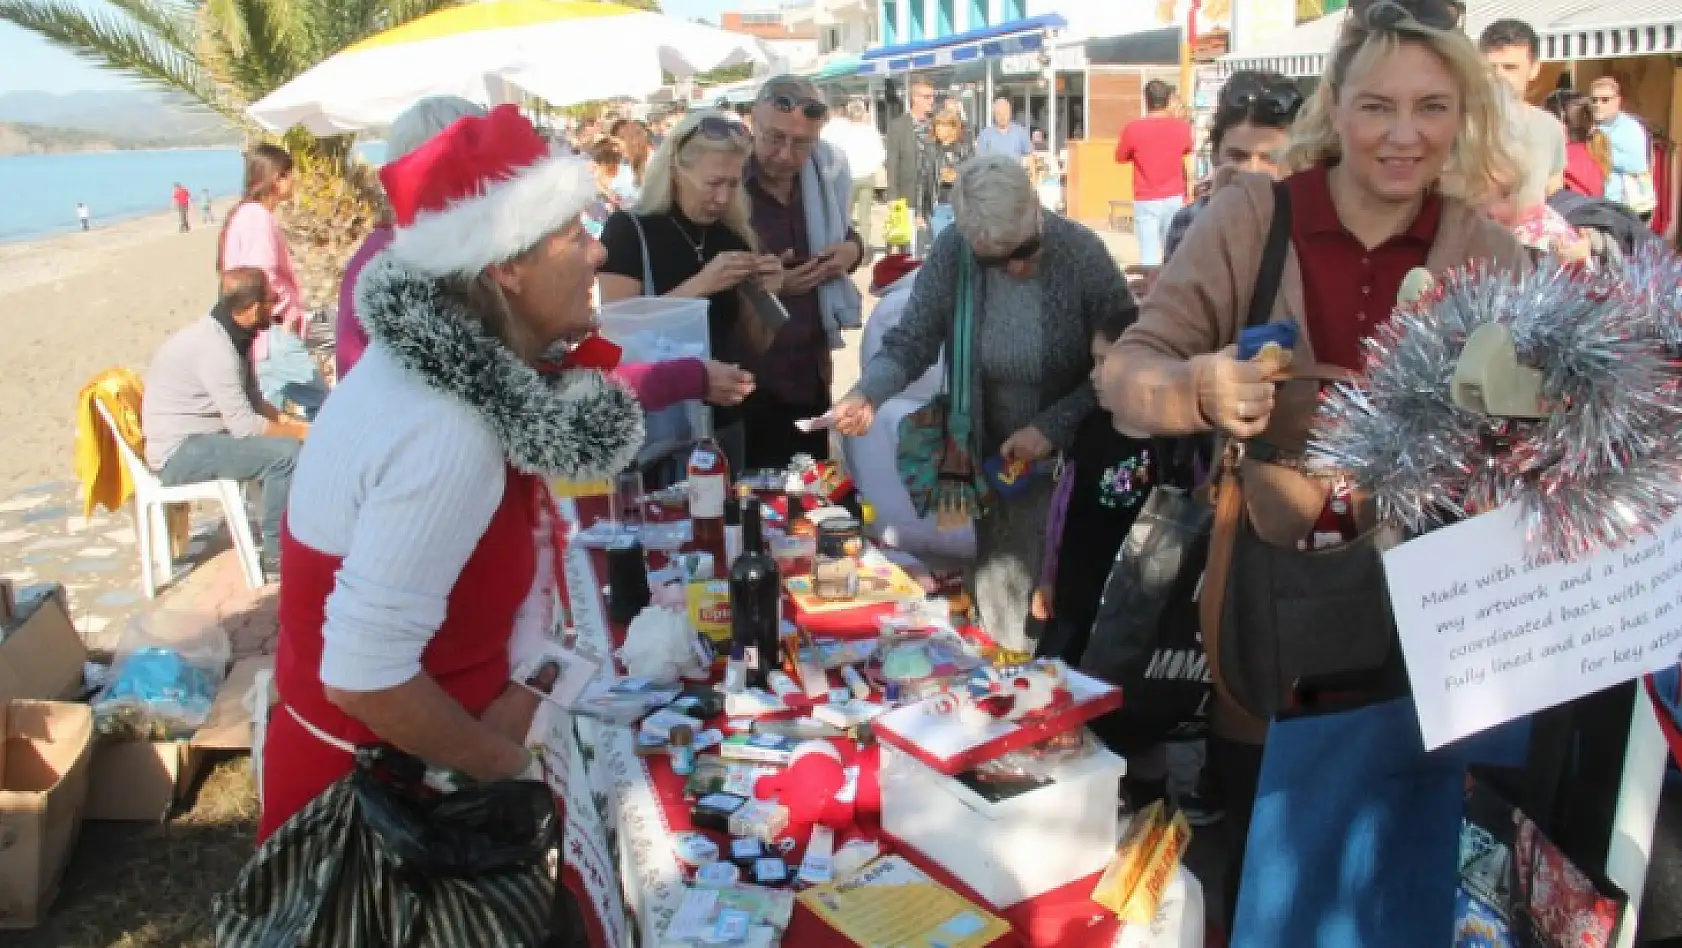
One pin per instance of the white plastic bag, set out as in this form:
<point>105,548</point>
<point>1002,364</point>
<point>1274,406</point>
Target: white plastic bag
<point>169,665</point>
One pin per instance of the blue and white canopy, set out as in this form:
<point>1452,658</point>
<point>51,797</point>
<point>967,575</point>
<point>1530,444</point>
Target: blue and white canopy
<point>1004,39</point>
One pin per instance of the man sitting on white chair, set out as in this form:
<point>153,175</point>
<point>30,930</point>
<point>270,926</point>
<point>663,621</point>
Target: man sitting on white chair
<point>203,416</point>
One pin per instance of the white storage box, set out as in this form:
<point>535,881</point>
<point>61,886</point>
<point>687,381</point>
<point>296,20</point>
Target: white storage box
<point>1016,849</point>
<point>658,329</point>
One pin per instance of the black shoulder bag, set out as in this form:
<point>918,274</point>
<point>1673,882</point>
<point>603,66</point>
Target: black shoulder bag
<point>1282,624</point>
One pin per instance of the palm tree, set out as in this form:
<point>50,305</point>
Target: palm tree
<point>223,55</point>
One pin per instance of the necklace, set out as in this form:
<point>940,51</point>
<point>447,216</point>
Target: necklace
<point>699,246</point>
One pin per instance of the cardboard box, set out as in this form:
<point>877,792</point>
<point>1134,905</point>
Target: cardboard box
<point>41,655</point>
<point>1017,848</point>
<point>140,781</point>
<point>43,786</point>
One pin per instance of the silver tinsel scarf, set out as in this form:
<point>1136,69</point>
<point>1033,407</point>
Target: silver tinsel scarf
<point>1603,468</point>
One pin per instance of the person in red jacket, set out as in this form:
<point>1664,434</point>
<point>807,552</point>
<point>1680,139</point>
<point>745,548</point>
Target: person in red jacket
<point>183,200</point>
<point>1159,146</point>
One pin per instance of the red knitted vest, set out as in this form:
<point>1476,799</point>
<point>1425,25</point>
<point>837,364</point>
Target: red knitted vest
<point>468,657</point>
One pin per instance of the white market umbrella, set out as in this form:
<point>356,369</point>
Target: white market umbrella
<point>562,51</point>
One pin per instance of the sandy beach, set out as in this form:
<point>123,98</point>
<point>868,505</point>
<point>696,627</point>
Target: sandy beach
<point>74,304</point>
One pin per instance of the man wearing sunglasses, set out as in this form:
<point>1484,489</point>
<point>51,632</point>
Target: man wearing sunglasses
<point>800,190</point>
<point>1631,179</point>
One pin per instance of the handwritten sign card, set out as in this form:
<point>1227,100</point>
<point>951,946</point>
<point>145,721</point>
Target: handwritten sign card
<point>1490,636</point>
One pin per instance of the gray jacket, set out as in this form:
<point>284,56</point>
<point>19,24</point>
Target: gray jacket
<point>198,384</point>
<point>1081,284</point>
<point>903,149</point>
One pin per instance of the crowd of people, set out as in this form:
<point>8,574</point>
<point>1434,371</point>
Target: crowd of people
<point>409,519</point>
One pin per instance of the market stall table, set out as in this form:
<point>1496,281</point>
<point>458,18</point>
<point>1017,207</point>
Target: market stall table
<point>642,803</point>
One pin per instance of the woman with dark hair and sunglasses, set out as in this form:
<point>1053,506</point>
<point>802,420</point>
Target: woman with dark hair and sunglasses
<point>1039,286</point>
<point>1388,158</point>
<point>1250,130</point>
<point>689,236</point>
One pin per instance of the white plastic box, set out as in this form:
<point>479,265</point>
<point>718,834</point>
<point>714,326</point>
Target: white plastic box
<point>657,329</point>
<point>1016,849</point>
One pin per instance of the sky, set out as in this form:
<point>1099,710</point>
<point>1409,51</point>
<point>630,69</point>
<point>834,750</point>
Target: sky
<point>28,62</point>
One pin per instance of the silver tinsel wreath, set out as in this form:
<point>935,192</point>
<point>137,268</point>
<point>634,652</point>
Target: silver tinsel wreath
<point>1603,468</point>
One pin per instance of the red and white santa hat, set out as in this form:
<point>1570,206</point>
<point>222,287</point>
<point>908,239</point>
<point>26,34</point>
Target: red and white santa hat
<point>482,191</point>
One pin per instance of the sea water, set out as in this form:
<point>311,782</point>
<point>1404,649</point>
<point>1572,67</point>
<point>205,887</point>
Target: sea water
<point>39,193</point>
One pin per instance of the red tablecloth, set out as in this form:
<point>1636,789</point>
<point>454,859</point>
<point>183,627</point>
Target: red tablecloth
<point>1065,917</point>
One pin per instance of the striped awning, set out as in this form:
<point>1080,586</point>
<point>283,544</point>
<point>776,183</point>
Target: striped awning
<point>1570,30</point>
<point>1005,39</point>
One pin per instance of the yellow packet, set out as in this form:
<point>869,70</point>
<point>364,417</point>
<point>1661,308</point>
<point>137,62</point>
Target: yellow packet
<point>1123,873</point>
<point>565,487</point>
<point>1146,897</point>
<point>709,609</point>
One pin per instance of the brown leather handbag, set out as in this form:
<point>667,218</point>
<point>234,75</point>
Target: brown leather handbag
<point>1278,620</point>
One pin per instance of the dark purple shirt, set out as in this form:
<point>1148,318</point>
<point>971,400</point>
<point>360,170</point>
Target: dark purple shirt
<point>797,368</point>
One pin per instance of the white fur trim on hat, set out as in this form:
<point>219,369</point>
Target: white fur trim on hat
<point>509,218</point>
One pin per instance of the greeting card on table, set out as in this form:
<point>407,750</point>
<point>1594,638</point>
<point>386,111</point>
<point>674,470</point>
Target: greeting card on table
<point>892,904</point>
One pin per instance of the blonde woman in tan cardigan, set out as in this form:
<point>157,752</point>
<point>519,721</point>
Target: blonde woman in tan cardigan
<point>1405,103</point>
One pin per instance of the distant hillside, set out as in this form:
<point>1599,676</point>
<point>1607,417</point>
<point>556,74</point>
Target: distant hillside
<point>23,138</point>
<point>129,118</point>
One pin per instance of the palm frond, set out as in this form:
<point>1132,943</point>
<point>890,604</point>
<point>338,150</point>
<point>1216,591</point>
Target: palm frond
<point>118,41</point>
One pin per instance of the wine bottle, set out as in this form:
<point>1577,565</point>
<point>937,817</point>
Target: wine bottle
<point>755,600</point>
<point>709,482</point>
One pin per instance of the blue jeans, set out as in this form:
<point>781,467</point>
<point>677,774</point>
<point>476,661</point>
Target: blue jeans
<point>268,461</point>
<point>1151,220</point>
<point>939,219</point>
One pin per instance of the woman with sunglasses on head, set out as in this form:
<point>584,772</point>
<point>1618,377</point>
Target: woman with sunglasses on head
<point>937,170</point>
<point>1251,127</point>
<point>688,236</point>
<point>1405,99</point>
<point>1039,285</point>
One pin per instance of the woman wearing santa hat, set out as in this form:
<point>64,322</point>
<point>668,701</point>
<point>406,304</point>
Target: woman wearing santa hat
<point>421,537</point>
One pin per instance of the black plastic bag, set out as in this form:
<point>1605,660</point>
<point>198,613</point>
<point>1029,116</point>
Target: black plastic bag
<point>1146,639</point>
<point>380,858</point>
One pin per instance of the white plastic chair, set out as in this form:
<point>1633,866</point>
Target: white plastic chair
<point>152,530</point>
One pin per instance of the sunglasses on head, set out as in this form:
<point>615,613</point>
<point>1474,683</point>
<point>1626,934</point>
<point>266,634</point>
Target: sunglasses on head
<point>1023,251</point>
<point>1278,99</point>
<point>1390,14</point>
<point>809,107</point>
<point>715,128</point>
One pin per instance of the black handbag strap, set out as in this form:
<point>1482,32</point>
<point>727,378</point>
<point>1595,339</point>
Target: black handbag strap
<point>1272,270</point>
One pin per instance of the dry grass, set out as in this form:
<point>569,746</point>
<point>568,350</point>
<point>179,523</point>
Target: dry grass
<point>143,885</point>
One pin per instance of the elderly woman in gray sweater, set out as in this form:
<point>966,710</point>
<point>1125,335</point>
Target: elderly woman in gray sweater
<point>1041,285</point>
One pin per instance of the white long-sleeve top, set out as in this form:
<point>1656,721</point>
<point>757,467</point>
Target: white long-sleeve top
<point>400,481</point>
<point>861,143</point>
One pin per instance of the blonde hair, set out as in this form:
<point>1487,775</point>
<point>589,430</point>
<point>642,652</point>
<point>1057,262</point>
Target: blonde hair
<point>1479,158</point>
<point>659,185</point>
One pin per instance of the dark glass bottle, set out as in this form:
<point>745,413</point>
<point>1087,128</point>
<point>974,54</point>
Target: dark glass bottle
<point>755,600</point>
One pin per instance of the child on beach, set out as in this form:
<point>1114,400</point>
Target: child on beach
<point>84,215</point>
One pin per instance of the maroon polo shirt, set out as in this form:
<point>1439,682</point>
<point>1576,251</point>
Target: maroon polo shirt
<point>1349,289</point>
<point>797,369</point>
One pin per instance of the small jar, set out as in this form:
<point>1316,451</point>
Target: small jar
<point>835,571</point>
<point>681,747</point>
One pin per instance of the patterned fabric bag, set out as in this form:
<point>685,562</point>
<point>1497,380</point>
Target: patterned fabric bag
<point>381,858</point>
<point>1519,889</point>
<point>936,456</point>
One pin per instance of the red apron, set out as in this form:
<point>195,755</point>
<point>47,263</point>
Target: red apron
<point>468,657</point>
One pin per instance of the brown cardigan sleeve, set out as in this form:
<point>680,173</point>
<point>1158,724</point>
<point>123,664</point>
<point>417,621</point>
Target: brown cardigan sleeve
<point>1193,308</point>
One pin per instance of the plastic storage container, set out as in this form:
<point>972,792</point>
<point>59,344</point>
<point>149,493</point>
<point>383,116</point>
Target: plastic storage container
<point>656,329</point>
